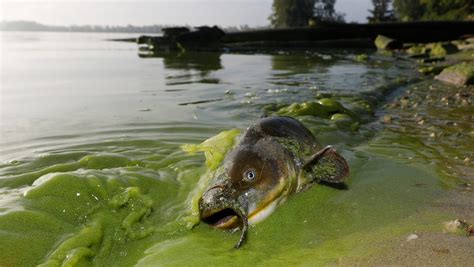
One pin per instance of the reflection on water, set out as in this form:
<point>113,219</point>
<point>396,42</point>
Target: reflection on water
<point>194,67</point>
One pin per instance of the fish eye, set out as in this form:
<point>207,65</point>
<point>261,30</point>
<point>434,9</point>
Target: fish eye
<point>250,175</point>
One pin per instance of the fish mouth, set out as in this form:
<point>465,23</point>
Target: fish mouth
<point>227,217</point>
<point>224,218</point>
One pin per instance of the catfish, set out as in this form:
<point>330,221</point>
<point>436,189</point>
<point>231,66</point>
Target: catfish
<point>275,158</point>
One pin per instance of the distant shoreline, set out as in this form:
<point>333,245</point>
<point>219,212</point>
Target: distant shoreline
<point>131,33</point>
<point>32,26</point>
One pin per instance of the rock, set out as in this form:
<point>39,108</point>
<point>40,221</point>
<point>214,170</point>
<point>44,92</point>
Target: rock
<point>386,43</point>
<point>467,160</point>
<point>412,237</point>
<point>387,119</point>
<point>470,40</point>
<point>469,46</point>
<point>459,74</point>
<point>459,227</point>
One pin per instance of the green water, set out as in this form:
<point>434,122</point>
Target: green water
<point>93,171</point>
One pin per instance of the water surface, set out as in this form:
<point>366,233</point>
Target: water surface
<point>92,170</point>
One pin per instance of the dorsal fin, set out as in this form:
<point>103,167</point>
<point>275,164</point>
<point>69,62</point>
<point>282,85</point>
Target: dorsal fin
<point>328,166</point>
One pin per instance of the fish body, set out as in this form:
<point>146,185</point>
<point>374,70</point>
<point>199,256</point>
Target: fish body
<point>275,158</point>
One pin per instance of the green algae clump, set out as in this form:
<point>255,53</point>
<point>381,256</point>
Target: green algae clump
<point>341,117</point>
<point>418,50</point>
<point>441,49</point>
<point>331,105</point>
<point>312,108</point>
<point>361,58</point>
<point>214,148</point>
<point>79,218</point>
<point>75,248</point>
<point>103,161</point>
<point>322,108</point>
<point>430,70</point>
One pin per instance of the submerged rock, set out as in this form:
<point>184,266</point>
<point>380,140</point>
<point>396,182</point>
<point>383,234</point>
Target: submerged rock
<point>361,57</point>
<point>428,70</point>
<point>442,49</point>
<point>459,75</point>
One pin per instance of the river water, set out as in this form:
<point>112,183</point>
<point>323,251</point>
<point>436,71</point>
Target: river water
<point>92,170</point>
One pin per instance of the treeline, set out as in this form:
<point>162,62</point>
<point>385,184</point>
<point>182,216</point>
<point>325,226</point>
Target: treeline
<point>302,13</point>
<point>414,10</point>
<point>34,26</point>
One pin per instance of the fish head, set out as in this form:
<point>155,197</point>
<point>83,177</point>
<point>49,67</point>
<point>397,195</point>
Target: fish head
<point>250,183</point>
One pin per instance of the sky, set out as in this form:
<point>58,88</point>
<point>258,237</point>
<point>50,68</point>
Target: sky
<point>167,12</point>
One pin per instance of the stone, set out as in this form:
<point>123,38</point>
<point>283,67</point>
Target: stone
<point>459,74</point>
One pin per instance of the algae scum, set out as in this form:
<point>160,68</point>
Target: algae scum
<point>120,187</point>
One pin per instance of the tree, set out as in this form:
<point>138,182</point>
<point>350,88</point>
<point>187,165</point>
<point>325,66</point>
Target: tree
<point>381,12</point>
<point>291,13</point>
<point>324,11</point>
<point>447,9</point>
<point>412,10</point>
<point>408,10</point>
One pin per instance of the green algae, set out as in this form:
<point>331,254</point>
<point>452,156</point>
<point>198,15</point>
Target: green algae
<point>341,117</point>
<point>431,70</point>
<point>312,108</point>
<point>361,58</point>
<point>464,68</point>
<point>331,105</point>
<point>126,215</point>
<point>214,148</point>
<point>442,49</point>
<point>418,49</point>
<point>86,215</point>
<point>386,43</point>
<point>323,108</point>
<point>432,49</point>
<point>320,225</point>
<point>459,74</point>
<point>76,247</point>
<point>137,202</point>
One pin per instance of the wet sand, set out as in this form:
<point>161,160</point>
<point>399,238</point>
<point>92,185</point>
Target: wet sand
<point>441,117</point>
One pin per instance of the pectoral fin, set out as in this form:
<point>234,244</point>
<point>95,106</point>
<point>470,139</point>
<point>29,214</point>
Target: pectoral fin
<point>328,166</point>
